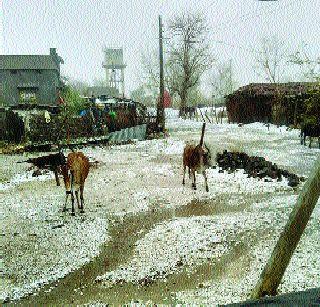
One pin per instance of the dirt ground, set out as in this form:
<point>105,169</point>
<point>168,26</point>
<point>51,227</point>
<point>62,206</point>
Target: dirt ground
<point>144,238</point>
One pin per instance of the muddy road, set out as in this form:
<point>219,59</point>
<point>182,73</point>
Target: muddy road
<point>146,238</point>
<point>81,287</point>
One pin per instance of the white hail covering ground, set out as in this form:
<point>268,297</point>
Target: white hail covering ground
<point>154,257</point>
<point>26,177</point>
<point>302,273</point>
<point>42,244</point>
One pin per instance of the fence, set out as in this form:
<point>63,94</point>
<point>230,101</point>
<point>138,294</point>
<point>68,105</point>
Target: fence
<point>39,126</point>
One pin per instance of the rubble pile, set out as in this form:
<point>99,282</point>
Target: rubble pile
<point>256,167</point>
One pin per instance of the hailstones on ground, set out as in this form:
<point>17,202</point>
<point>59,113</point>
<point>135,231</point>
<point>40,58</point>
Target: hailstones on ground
<point>167,248</point>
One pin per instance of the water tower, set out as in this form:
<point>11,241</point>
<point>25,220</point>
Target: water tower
<point>114,66</point>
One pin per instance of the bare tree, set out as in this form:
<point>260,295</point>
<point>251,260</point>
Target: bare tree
<point>77,85</point>
<point>150,72</point>
<point>310,68</point>
<point>223,81</point>
<point>99,82</point>
<point>309,65</point>
<point>149,79</point>
<point>143,95</point>
<point>188,54</point>
<point>271,60</point>
<point>272,64</point>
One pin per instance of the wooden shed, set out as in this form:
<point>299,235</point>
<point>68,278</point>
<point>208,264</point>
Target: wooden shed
<point>278,103</point>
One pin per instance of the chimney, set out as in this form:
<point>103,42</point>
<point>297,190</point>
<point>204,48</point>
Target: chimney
<point>53,51</point>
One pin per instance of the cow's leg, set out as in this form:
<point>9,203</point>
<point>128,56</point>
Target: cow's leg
<point>189,173</point>
<point>310,141</point>
<point>56,176</point>
<point>319,141</point>
<point>194,180</point>
<point>81,198</point>
<point>68,192</point>
<point>184,174</point>
<point>66,201</point>
<point>72,195</point>
<point>205,180</point>
<point>77,197</point>
<point>72,202</point>
<point>301,138</point>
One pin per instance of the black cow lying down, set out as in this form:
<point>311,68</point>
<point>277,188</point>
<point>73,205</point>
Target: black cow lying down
<point>310,130</point>
<point>52,161</point>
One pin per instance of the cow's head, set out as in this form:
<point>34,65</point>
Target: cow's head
<point>207,159</point>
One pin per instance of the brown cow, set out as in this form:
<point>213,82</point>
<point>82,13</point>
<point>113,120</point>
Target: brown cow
<point>75,172</point>
<point>197,158</point>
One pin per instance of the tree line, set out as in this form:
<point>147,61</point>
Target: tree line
<point>188,58</point>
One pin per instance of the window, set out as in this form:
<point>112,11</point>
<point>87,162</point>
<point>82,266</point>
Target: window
<point>13,71</point>
<point>28,95</point>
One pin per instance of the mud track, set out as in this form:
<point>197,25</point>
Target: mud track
<point>80,287</point>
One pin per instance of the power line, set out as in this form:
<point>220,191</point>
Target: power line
<point>160,110</point>
<point>223,24</point>
<point>236,46</point>
<point>240,46</point>
<point>254,16</point>
<point>2,26</point>
<point>54,21</point>
<point>250,15</point>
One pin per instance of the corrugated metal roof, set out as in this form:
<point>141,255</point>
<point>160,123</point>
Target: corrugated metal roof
<point>28,62</point>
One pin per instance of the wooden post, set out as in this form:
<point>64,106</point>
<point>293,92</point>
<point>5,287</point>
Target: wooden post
<point>160,107</point>
<point>295,113</point>
<point>57,176</point>
<point>222,115</point>
<point>216,115</point>
<point>201,115</point>
<point>206,115</point>
<point>202,133</point>
<point>271,276</point>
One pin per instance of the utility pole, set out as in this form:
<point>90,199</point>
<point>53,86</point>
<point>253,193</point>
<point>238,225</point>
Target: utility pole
<point>273,271</point>
<point>160,108</point>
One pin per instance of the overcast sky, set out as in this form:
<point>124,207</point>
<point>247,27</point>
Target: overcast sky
<point>80,28</point>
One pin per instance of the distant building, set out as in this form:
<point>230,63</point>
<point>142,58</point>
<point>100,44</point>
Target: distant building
<point>99,91</point>
<point>30,79</point>
<point>279,103</point>
<point>166,99</point>
<point>114,68</point>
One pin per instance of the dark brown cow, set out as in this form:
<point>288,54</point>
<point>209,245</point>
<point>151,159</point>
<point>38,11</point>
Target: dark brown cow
<point>75,172</point>
<point>311,131</point>
<point>197,158</point>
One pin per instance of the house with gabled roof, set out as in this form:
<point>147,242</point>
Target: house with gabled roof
<point>30,79</point>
